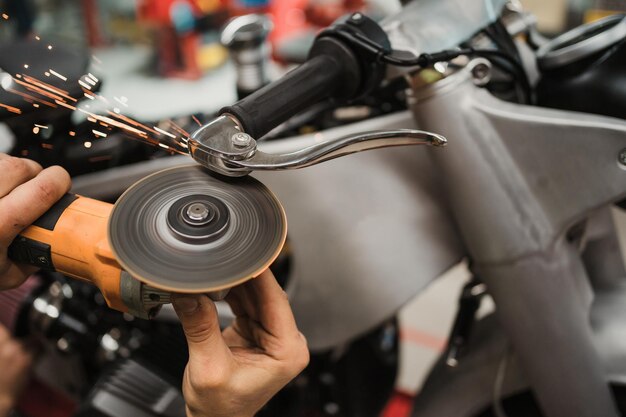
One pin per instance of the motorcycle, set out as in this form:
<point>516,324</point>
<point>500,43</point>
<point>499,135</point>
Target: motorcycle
<point>523,191</point>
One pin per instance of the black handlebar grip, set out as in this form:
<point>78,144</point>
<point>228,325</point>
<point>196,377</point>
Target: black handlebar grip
<point>332,71</point>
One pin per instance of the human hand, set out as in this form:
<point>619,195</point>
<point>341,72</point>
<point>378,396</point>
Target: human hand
<point>15,364</point>
<point>235,372</point>
<point>26,192</point>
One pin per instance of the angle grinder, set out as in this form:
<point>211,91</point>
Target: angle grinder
<point>179,230</point>
<point>208,227</point>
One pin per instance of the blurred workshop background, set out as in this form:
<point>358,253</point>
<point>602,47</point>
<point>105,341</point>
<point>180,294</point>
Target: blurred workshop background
<point>166,58</point>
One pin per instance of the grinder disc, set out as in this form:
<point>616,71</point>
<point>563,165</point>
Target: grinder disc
<point>185,230</point>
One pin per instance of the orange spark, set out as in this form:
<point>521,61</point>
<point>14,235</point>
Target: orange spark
<point>195,119</point>
<point>46,86</point>
<point>11,108</point>
<point>72,133</point>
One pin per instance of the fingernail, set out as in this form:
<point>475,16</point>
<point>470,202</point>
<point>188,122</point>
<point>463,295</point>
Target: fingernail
<point>185,305</point>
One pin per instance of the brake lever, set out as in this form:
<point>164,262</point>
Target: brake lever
<point>223,147</point>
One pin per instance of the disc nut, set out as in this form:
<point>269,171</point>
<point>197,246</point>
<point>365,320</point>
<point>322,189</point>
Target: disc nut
<point>197,212</point>
<point>241,140</point>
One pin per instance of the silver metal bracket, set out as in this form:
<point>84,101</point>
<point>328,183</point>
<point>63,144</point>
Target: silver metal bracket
<point>223,147</point>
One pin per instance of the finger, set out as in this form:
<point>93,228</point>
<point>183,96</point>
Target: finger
<point>14,275</point>
<point>235,339</point>
<point>16,171</point>
<point>198,316</point>
<point>273,311</point>
<point>29,201</point>
<point>240,302</point>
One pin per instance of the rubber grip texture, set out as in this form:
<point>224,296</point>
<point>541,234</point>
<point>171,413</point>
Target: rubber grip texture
<point>317,79</point>
<point>32,252</point>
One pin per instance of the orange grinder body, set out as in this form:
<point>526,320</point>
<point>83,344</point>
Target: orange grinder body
<point>71,238</point>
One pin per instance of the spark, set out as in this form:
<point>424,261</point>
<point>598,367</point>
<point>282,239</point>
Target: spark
<point>35,130</point>
<point>87,145</point>
<point>179,129</point>
<point>5,16</point>
<point>163,132</point>
<point>11,108</point>
<point>98,133</point>
<point>195,119</point>
<point>47,74</point>
<point>35,105</point>
<point>30,98</point>
<point>93,77</point>
<point>56,74</point>
<point>64,104</point>
<point>90,96</point>
<point>18,76</point>
<point>49,47</point>
<point>162,145</point>
<point>84,84</point>
<point>42,91</point>
<point>41,126</point>
<point>38,38</point>
<point>90,81</point>
<point>47,146</point>
<point>48,87</point>
<point>72,133</point>
<point>26,66</point>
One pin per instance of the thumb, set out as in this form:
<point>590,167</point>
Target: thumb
<point>198,316</point>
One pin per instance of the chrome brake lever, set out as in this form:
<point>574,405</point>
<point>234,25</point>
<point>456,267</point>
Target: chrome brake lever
<point>223,147</point>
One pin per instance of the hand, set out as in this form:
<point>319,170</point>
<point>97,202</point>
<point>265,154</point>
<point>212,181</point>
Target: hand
<point>15,364</point>
<point>235,372</point>
<point>26,192</point>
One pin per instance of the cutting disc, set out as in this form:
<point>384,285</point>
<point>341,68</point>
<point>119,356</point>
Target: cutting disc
<point>185,230</point>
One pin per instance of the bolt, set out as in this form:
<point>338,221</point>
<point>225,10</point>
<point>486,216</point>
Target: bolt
<point>621,158</point>
<point>481,72</point>
<point>198,211</point>
<point>241,140</point>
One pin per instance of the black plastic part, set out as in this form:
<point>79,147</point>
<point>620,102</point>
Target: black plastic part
<point>596,84</point>
<point>339,67</point>
<point>28,251</point>
<point>51,217</point>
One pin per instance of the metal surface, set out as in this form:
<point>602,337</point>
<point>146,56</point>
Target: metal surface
<point>239,155</point>
<point>360,252</point>
<point>517,179</point>
<point>153,251</point>
<point>142,300</point>
<point>582,42</point>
